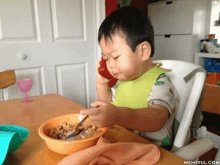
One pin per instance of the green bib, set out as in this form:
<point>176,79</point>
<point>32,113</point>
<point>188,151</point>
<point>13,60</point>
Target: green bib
<point>134,94</point>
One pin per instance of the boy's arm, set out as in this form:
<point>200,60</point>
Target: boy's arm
<point>150,119</point>
<point>104,92</point>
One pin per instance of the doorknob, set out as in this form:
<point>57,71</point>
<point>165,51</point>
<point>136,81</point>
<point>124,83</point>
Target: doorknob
<point>169,2</point>
<point>22,56</point>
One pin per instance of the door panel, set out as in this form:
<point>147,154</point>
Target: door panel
<point>21,31</point>
<point>72,49</point>
<point>36,74</point>
<point>12,26</point>
<point>23,44</point>
<point>72,82</point>
<point>68,20</point>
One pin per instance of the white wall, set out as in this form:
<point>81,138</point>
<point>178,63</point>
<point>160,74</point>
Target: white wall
<point>215,15</point>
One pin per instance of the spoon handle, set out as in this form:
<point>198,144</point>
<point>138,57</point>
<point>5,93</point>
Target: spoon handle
<point>82,121</point>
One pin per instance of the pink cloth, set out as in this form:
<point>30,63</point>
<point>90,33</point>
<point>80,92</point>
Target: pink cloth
<point>121,153</point>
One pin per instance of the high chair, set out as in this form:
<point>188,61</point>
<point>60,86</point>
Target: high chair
<point>188,80</point>
<point>7,78</point>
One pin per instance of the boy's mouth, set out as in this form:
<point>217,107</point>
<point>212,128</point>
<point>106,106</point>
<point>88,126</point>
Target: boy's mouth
<point>115,74</point>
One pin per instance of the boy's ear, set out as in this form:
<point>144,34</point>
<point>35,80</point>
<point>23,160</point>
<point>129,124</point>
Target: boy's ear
<point>145,50</point>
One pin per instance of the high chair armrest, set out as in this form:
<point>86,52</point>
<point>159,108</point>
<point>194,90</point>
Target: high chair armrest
<point>195,149</point>
<point>189,109</point>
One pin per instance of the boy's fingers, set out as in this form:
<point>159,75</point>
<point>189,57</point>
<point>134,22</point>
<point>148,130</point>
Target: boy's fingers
<point>94,118</point>
<point>97,103</point>
<point>97,66</point>
<point>98,62</point>
<point>98,125</point>
<point>92,111</point>
<point>100,59</point>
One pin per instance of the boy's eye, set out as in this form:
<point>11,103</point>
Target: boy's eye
<point>116,57</point>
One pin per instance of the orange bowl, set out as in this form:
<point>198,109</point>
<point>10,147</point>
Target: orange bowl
<point>66,146</point>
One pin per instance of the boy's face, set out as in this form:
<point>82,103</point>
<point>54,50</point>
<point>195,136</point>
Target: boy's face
<point>122,63</point>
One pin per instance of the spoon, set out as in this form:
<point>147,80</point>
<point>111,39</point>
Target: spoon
<point>76,132</point>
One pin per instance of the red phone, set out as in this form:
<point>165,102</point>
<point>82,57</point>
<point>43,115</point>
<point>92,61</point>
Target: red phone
<point>105,73</point>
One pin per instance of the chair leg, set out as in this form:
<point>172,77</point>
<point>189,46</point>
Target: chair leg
<point>217,157</point>
<point>6,94</point>
<point>202,132</point>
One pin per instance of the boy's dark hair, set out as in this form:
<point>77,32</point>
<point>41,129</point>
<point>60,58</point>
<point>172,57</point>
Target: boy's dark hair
<point>134,24</point>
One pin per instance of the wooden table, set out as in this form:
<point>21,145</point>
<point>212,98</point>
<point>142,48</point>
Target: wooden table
<point>31,115</point>
<point>211,99</point>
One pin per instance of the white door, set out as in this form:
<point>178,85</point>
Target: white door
<point>72,45</point>
<point>22,32</point>
<point>59,38</point>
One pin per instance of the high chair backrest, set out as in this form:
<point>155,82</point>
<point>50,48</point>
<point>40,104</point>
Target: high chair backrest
<point>7,78</point>
<point>188,80</point>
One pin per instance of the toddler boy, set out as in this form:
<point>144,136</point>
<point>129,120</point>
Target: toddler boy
<point>144,97</point>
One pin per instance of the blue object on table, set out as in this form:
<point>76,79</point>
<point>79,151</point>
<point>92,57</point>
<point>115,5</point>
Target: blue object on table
<point>211,65</point>
<point>11,139</point>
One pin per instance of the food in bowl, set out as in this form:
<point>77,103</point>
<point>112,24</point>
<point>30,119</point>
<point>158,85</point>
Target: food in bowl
<point>85,131</point>
<point>68,146</point>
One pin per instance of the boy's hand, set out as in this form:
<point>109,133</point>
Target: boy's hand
<point>100,79</point>
<point>104,114</point>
